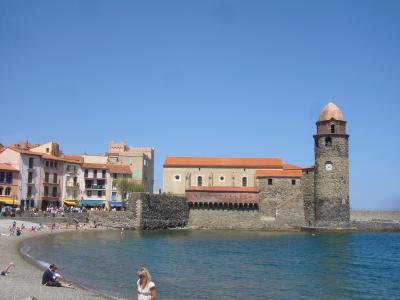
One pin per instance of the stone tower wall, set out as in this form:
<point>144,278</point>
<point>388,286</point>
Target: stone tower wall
<point>332,187</point>
<point>282,200</point>
<point>307,187</point>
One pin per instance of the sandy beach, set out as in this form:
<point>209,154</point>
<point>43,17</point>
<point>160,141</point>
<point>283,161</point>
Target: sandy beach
<point>24,281</point>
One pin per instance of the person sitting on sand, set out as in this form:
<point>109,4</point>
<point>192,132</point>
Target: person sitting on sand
<point>146,288</point>
<point>7,269</point>
<point>49,278</point>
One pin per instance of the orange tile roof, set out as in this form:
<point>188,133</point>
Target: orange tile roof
<point>290,167</point>
<point>7,167</point>
<point>52,157</point>
<point>95,166</point>
<point>22,151</point>
<point>120,169</point>
<point>223,162</point>
<point>71,158</point>
<point>279,173</point>
<point>239,189</point>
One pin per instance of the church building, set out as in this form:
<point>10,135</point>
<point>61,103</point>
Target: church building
<point>269,187</point>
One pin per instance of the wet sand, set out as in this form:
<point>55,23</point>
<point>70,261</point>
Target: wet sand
<point>24,281</point>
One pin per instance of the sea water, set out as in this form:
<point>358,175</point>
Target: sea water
<point>188,264</point>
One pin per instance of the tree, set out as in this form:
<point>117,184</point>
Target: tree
<point>126,187</point>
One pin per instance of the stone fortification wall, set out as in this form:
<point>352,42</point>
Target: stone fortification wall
<point>375,216</point>
<point>113,219</point>
<point>307,187</point>
<point>159,211</point>
<point>375,226</point>
<point>234,219</point>
<point>283,201</point>
<point>225,219</point>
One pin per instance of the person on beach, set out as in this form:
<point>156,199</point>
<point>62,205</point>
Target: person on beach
<point>50,278</point>
<point>146,288</point>
<point>7,269</point>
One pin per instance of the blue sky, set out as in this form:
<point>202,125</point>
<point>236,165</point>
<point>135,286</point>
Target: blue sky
<point>207,78</point>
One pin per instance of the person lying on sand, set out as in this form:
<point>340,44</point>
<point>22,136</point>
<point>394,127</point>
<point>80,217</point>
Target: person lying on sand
<point>7,269</point>
<point>50,278</point>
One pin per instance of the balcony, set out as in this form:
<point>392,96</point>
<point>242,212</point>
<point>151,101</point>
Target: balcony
<point>51,183</point>
<point>72,185</point>
<point>96,187</point>
<point>97,177</point>
<point>6,182</point>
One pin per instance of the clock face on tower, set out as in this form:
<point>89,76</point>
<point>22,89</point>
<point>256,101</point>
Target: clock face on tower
<point>328,166</point>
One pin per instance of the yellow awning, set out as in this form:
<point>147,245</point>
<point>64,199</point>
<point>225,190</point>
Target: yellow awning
<point>8,200</point>
<point>71,202</point>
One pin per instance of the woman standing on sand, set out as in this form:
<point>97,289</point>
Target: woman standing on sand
<point>146,288</point>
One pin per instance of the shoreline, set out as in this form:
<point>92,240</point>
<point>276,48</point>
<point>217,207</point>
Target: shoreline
<point>24,281</point>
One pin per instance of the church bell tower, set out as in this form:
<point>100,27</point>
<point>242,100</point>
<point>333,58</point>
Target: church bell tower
<point>331,179</point>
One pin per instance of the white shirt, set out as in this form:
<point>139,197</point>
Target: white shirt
<point>144,294</point>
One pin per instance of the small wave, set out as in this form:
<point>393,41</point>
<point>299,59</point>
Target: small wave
<point>25,249</point>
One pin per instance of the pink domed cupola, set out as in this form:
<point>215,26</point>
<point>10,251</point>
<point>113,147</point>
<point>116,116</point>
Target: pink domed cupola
<point>331,111</point>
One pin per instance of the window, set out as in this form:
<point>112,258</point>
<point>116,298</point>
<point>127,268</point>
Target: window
<point>54,194</point>
<point>68,168</point>
<point>293,181</point>
<point>86,173</point>
<point>269,181</point>
<point>199,180</point>
<point>94,173</point>
<point>177,177</point>
<point>29,193</point>
<point>89,193</point>
<point>46,191</point>
<point>244,181</point>
<point>103,174</point>
<point>144,162</point>
<point>88,184</point>
<point>30,177</point>
<point>46,177</point>
<point>30,162</point>
<point>9,177</point>
<point>99,193</point>
<point>115,175</point>
<point>55,165</point>
<point>332,128</point>
<point>316,143</point>
<point>2,176</point>
<point>221,178</point>
<point>328,141</point>
<point>8,191</point>
<point>47,163</point>
<point>47,150</point>
<point>1,190</point>
<point>75,181</point>
<point>131,162</point>
<point>51,164</point>
<point>75,169</point>
<point>55,178</point>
